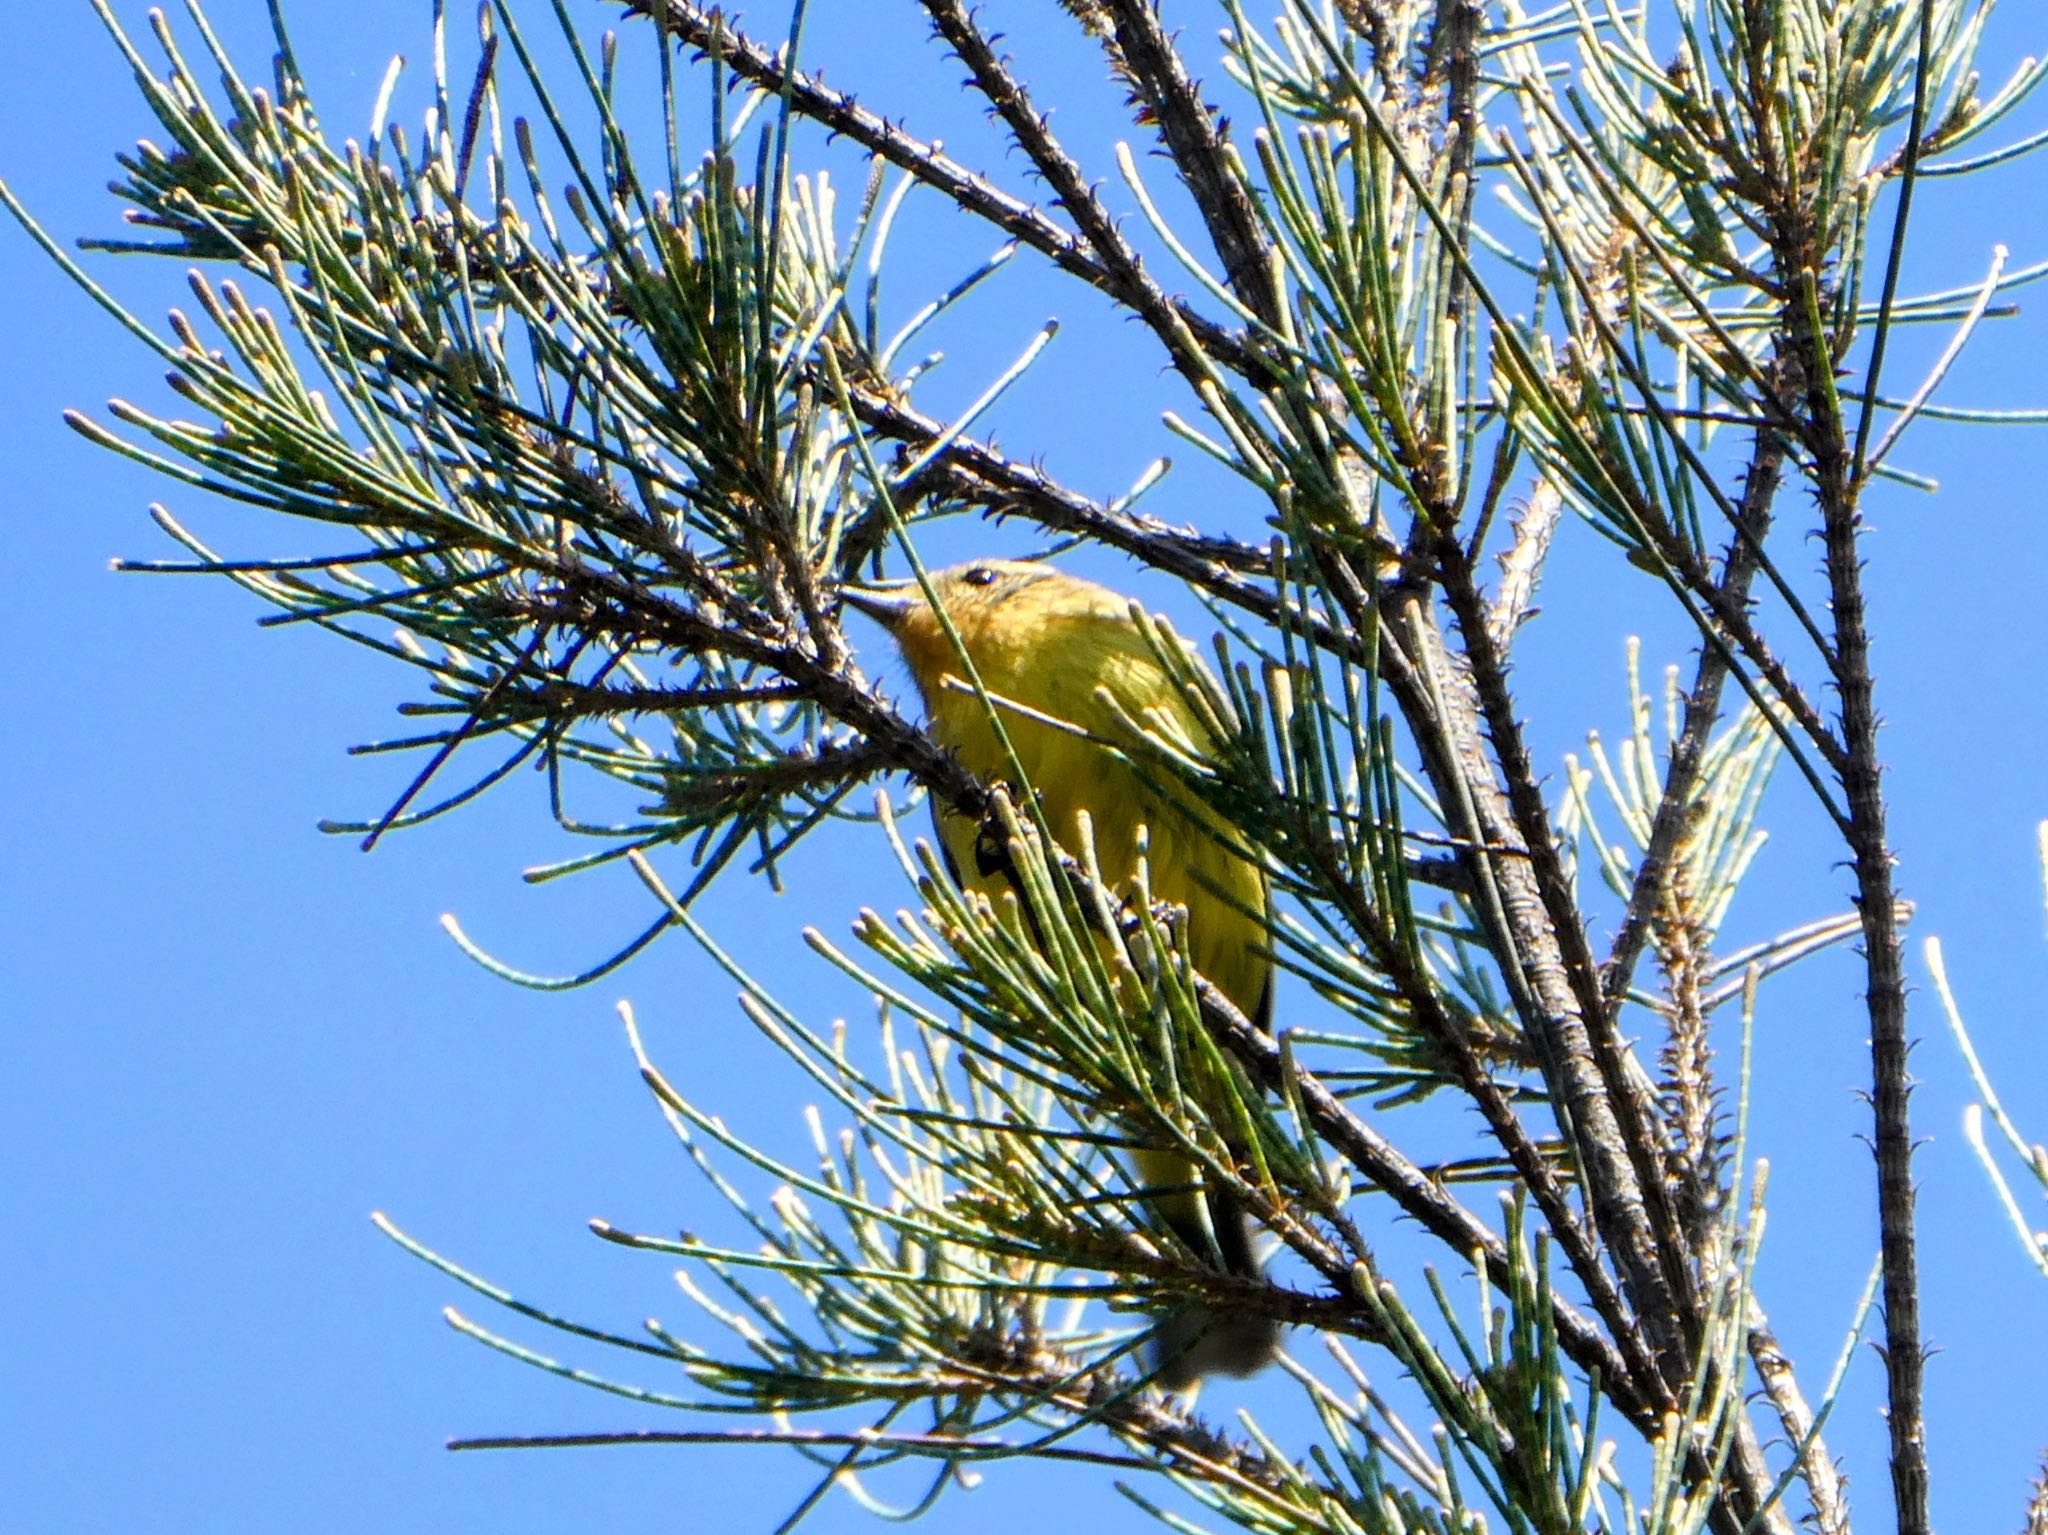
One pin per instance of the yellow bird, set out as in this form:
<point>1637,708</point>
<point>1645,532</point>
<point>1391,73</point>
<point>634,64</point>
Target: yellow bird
<point>1069,650</point>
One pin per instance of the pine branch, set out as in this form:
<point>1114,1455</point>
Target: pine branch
<point>1148,60</point>
<point>1124,273</point>
<point>1702,710</point>
<point>705,28</point>
<point>1418,1195</point>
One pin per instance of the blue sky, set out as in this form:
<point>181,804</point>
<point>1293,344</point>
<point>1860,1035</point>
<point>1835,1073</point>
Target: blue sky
<point>229,1037</point>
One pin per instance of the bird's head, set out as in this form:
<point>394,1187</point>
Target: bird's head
<point>1001,609</point>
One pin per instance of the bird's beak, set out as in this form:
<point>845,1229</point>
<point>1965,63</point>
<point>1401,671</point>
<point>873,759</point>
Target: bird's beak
<point>888,603</point>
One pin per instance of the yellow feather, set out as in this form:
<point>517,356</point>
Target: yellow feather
<point>1063,658</point>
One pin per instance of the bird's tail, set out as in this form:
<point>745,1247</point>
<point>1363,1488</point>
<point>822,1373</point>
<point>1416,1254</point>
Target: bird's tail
<point>1196,1341</point>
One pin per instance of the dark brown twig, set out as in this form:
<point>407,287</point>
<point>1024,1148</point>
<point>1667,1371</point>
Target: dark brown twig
<point>1189,128</point>
<point>703,27</point>
<point>1124,272</point>
<point>1883,958</point>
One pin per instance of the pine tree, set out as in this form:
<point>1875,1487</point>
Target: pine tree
<point>590,428</point>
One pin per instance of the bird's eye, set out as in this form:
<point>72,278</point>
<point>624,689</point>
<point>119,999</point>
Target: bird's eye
<point>981,575</point>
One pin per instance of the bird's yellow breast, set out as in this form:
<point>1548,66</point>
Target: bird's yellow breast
<point>1079,663</point>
